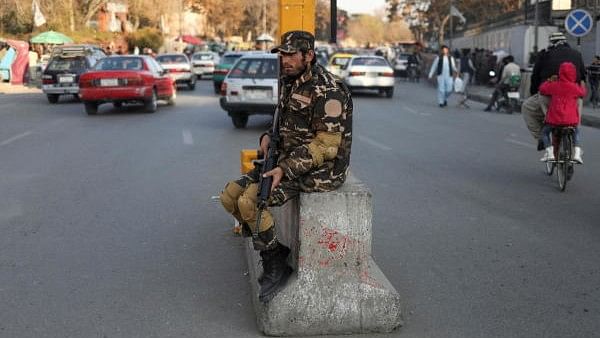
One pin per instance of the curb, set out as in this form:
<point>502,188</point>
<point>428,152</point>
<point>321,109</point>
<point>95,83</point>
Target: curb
<point>586,119</point>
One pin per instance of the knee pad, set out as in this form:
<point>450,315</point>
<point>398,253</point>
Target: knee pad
<point>230,195</point>
<point>247,206</point>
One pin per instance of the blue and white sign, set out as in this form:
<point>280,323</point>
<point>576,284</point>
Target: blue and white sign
<point>579,23</point>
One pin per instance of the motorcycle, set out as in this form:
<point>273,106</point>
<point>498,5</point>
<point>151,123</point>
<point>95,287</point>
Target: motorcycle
<point>413,72</point>
<point>510,99</point>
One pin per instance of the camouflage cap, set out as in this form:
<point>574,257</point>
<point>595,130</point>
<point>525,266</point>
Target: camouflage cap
<point>293,41</point>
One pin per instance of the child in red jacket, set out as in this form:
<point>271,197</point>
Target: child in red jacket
<point>563,109</point>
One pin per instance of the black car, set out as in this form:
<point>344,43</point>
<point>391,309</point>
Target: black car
<point>67,63</point>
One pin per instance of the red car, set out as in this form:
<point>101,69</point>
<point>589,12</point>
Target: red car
<point>126,79</point>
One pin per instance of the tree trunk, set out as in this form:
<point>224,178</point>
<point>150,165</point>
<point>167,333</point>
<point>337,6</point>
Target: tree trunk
<point>71,12</point>
<point>442,28</point>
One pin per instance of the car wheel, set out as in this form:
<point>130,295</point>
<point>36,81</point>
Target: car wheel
<point>53,98</point>
<point>91,108</point>
<point>239,120</point>
<point>217,88</point>
<point>151,104</point>
<point>77,98</point>
<point>118,104</point>
<point>171,99</point>
<point>389,92</point>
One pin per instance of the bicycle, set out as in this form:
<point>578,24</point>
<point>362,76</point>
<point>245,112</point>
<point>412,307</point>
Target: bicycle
<point>563,143</point>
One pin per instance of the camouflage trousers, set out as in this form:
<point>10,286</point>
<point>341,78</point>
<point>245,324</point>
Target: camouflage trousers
<point>240,198</point>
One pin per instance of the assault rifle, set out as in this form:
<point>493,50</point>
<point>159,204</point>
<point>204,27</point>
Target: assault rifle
<point>270,161</point>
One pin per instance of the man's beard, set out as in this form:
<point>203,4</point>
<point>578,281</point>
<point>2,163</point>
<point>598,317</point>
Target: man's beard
<point>291,78</point>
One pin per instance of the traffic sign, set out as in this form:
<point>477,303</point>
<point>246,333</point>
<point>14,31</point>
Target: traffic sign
<point>579,23</point>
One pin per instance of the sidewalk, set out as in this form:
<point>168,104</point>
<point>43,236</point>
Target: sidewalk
<point>7,88</point>
<point>483,94</point>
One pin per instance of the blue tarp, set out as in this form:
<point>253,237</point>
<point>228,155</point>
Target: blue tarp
<point>6,63</point>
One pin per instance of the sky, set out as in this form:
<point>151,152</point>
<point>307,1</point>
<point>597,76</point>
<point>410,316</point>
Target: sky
<point>360,6</point>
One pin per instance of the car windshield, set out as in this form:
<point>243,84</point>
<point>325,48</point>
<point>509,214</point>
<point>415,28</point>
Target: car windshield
<point>369,62</point>
<point>230,59</point>
<point>255,68</point>
<point>339,61</point>
<point>59,64</point>
<point>121,63</point>
<point>404,56</point>
<point>171,59</point>
<point>202,57</point>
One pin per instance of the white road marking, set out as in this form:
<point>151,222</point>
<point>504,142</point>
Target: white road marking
<point>374,143</point>
<point>413,111</point>
<point>187,137</point>
<point>15,138</point>
<point>524,144</point>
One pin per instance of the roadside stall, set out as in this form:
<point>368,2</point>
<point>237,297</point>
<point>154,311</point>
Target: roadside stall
<point>48,40</point>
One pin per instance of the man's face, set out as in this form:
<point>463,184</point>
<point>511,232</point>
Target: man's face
<point>294,64</point>
<point>445,51</point>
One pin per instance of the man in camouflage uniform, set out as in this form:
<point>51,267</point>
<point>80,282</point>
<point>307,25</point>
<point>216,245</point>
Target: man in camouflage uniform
<point>315,125</point>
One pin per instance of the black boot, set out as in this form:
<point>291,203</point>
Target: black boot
<point>275,272</point>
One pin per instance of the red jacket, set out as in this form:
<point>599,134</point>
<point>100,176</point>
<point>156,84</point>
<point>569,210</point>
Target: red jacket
<point>563,109</point>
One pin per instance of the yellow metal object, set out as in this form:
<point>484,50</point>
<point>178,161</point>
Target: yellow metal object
<point>246,158</point>
<point>297,15</point>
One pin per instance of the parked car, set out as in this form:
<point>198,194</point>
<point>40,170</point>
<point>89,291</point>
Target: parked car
<point>223,68</point>
<point>203,63</point>
<point>65,66</point>
<point>126,79</point>
<point>337,62</point>
<point>250,88</point>
<point>179,68</point>
<point>401,64</point>
<point>369,72</point>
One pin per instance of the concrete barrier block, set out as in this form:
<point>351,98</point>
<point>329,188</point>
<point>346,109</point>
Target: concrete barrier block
<point>336,288</point>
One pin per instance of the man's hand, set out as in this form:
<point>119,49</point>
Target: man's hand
<point>277,175</point>
<point>264,145</point>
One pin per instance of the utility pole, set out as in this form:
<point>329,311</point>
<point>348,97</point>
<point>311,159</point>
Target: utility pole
<point>451,25</point>
<point>264,11</point>
<point>333,18</point>
<point>537,24</point>
<point>181,19</point>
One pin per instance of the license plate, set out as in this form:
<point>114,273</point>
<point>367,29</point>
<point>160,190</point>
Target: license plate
<point>109,82</point>
<point>371,74</point>
<point>513,95</point>
<point>258,94</point>
<point>66,79</point>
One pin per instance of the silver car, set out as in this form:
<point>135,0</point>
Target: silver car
<point>369,72</point>
<point>179,68</point>
<point>203,64</point>
<point>250,88</point>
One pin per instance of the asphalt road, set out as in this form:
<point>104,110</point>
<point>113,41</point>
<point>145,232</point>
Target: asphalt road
<point>107,228</point>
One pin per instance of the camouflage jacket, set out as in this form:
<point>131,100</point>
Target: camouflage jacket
<point>315,126</point>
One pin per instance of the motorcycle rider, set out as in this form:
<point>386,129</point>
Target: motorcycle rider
<point>509,70</point>
<point>547,64</point>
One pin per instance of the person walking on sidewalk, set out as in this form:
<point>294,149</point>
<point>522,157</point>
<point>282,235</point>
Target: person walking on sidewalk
<point>594,78</point>
<point>315,133</point>
<point>547,64</point>
<point>467,70</point>
<point>509,69</point>
<point>444,66</point>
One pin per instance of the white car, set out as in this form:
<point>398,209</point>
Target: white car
<point>250,88</point>
<point>203,63</point>
<point>369,72</point>
<point>179,68</point>
<point>401,63</point>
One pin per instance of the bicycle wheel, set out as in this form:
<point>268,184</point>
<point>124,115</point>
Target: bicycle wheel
<point>562,165</point>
